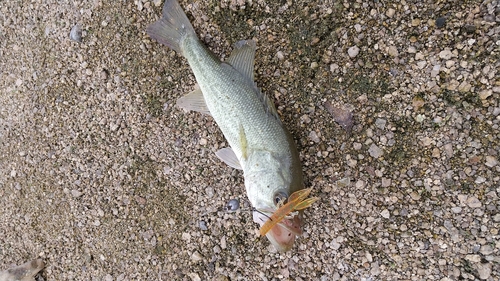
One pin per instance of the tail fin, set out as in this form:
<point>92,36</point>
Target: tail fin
<point>173,26</point>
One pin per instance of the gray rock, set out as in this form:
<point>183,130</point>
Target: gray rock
<point>375,151</point>
<point>353,51</point>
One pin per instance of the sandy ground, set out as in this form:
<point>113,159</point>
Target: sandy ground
<point>103,178</point>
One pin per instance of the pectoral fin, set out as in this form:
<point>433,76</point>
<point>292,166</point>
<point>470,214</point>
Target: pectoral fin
<point>194,101</point>
<point>227,156</point>
<point>242,58</point>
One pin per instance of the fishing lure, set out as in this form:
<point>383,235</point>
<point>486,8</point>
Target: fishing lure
<point>296,202</point>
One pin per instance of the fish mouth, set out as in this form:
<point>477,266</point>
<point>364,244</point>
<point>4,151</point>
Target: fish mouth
<point>283,234</point>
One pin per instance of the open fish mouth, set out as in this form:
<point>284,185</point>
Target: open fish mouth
<point>283,234</point>
<point>282,225</point>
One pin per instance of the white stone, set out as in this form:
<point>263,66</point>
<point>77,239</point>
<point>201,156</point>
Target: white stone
<point>385,214</point>
<point>353,51</point>
<point>446,54</point>
<point>484,270</point>
<point>375,151</point>
<point>390,13</point>
<point>473,202</point>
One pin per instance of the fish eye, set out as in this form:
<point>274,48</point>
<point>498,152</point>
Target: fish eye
<point>280,197</point>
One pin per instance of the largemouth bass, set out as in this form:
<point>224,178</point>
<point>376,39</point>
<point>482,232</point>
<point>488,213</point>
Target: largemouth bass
<point>259,144</point>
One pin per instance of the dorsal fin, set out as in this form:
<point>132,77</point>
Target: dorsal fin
<point>269,105</point>
<point>242,58</point>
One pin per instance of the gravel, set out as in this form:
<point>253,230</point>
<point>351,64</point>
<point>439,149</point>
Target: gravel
<point>103,178</point>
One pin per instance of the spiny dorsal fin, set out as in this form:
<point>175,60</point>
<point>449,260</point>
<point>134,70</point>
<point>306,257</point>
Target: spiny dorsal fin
<point>269,105</point>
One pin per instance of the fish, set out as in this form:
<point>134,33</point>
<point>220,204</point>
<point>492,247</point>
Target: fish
<point>23,272</point>
<point>259,144</point>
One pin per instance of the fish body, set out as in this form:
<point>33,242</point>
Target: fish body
<point>259,143</point>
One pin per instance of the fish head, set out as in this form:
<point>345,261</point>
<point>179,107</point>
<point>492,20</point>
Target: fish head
<point>268,187</point>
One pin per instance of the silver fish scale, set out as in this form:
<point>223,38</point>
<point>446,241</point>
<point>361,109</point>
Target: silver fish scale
<point>235,104</point>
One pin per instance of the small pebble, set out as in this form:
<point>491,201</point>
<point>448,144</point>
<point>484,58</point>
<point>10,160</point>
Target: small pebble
<point>473,202</point>
<point>334,67</point>
<point>448,149</point>
<point>486,249</point>
<point>386,182</point>
<point>393,51</point>
<point>76,33</point>
<point>196,256</point>
<point>223,242</point>
<point>420,118</point>
<point>484,270</point>
<point>375,151</point>
<point>426,141</point>
<point>446,54</point>
<point>470,28</point>
<point>385,214</point>
<point>209,191</point>
<point>335,245</point>
<point>380,123</point>
<point>305,118</point>
<point>440,22</point>
<point>75,193</point>
<point>496,218</point>
<point>357,145</point>
<point>139,5</point>
<point>390,12</point>
<point>353,51</point>
<point>216,249</point>
<point>194,276</point>
<point>415,196</point>
<point>186,236</point>
<point>344,182</point>
<point>280,55</point>
<point>203,225</point>
<point>485,94</point>
<point>314,137</point>
<point>233,205</point>
<point>342,115</point>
